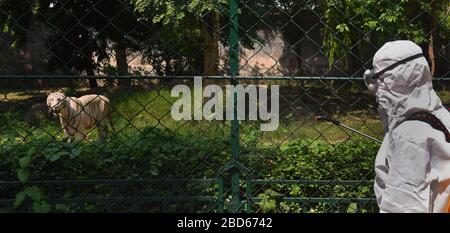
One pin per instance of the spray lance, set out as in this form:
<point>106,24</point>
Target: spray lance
<point>370,78</point>
<point>338,123</point>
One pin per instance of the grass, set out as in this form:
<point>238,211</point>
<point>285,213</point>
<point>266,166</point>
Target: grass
<point>153,109</point>
<point>137,109</point>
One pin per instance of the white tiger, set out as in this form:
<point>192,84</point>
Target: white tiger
<point>78,115</point>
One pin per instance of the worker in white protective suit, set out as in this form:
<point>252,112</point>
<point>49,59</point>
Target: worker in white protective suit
<point>413,164</point>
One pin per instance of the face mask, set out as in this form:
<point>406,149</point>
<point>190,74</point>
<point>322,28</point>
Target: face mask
<point>371,78</point>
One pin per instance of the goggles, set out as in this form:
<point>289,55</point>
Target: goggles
<point>370,77</point>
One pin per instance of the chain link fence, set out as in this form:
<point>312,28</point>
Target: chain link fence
<point>136,52</point>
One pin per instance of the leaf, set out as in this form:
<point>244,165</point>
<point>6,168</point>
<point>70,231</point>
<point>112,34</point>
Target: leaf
<point>23,162</point>
<point>61,207</point>
<point>31,151</point>
<point>41,207</point>
<point>74,152</point>
<point>342,27</point>
<point>5,28</point>
<point>45,207</point>
<point>34,193</point>
<point>68,194</point>
<point>352,208</point>
<point>55,156</point>
<point>154,171</point>
<point>35,7</point>
<point>19,199</point>
<point>23,175</point>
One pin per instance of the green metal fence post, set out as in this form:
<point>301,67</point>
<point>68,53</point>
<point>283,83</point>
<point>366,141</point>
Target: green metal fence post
<point>249,191</point>
<point>220,206</point>
<point>234,70</point>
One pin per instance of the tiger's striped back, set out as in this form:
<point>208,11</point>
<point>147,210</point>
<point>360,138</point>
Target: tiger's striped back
<point>89,110</point>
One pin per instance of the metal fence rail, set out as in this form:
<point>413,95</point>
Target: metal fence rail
<point>135,52</point>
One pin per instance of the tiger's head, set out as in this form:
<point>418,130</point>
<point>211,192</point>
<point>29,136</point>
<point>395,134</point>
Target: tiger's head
<point>56,101</point>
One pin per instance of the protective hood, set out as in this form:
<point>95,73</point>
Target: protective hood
<point>407,88</point>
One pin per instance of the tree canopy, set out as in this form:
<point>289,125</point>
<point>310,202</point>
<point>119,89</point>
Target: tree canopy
<point>181,37</point>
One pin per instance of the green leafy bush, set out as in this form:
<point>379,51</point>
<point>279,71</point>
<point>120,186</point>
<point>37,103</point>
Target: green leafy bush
<point>311,160</point>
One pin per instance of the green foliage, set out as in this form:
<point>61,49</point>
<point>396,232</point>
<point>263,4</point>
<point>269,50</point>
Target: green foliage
<point>376,22</point>
<point>23,175</point>
<point>153,153</point>
<point>271,202</point>
<point>158,153</point>
<point>155,146</point>
<point>312,160</point>
<point>173,12</point>
<point>34,195</point>
<point>173,36</point>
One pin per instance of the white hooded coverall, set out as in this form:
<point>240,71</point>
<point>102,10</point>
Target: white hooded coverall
<point>413,164</point>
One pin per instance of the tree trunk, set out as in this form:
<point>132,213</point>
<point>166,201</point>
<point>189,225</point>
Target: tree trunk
<point>92,81</point>
<point>355,62</point>
<point>431,55</point>
<point>211,45</point>
<point>433,35</point>
<point>168,70</point>
<point>34,52</point>
<point>122,65</point>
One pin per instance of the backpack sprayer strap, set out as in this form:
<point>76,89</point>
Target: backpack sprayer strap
<point>431,120</point>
